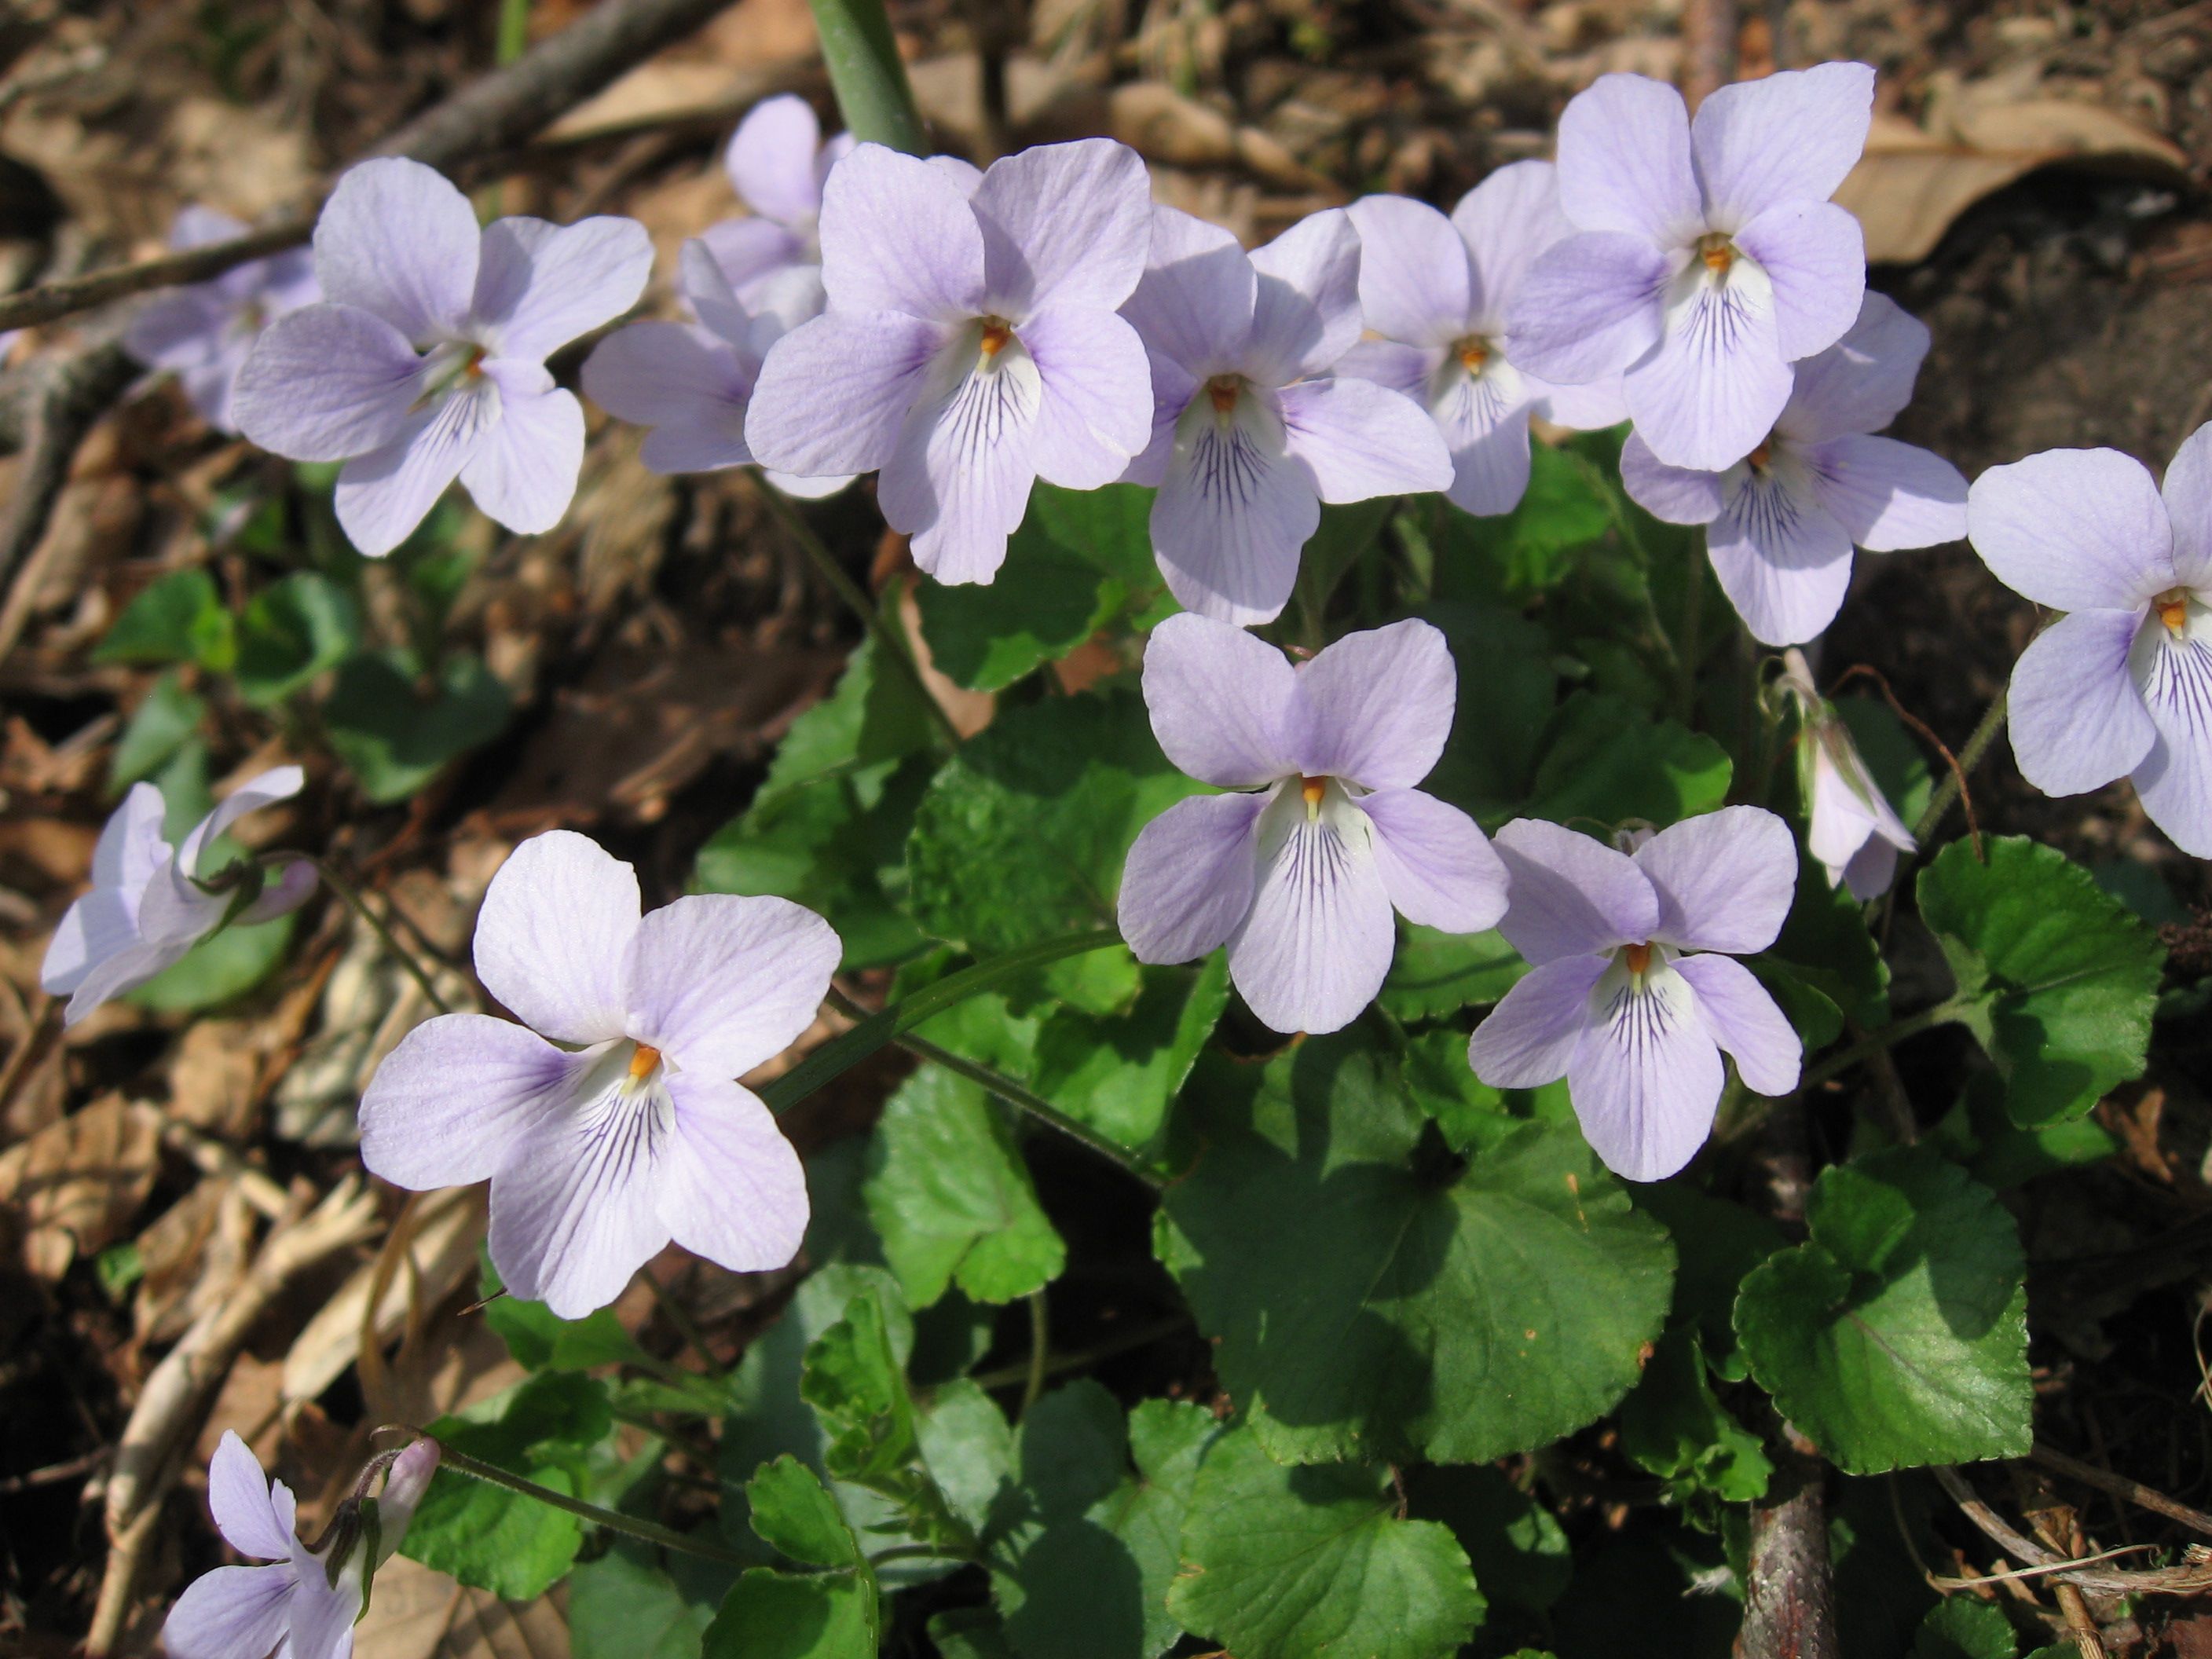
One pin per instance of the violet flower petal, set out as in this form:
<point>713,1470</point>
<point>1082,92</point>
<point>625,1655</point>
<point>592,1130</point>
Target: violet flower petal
<point>1530,1038</point>
<point>1646,1079</point>
<point>2187,494</point>
<point>1505,221</point>
<point>1674,494</point>
<point>1888,494</point>
<point>1379,706</point>
<point>397,238</point>
<point>898,236</point>
<point>459,1098</point>
<point>2077,719</point>
<point>834,395</point>
<point>578,1210</point>
<point>1194,302</point>
<point>1790,136</point>
<point>1416,280</point>
<point>2074,529</point>
<point>327,383</point>
<point>1065,225</point>
<point>1316,946</point>
<point>1189,877</point>
<point>541,285</point>
<point>553,935</point>
<point>1743,1019</point>
<point>1226,705</point>
<point>1625,165</point>
<point>1570,896</point>
<point>1589,307</point>
<point>232,1611</point>
<point>1711,391</point>
<point>522,474</point>
<point>239,1497</point>
<point>733,1189</point>
<point>1306,311</point>
<point>1436,864</point>
<point>1357,439</point>
<point>1815,255</point>
<point>1232,511</point>
<point>1861,383</point>
<point>1097,396</point>
<point>1783,560</point>
<point>1724,879</point>
<point>721,983</point>
<point>770,160</point>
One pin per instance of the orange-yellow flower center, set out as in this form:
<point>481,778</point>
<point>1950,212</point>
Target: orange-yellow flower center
<point>641,1063</point>
<point>1717,255</point>
<point>1313,789</point>
<point>1639,957</point>
<point>1759,458</point>
<point>1472,354</point>
<point>1224,389</point>
<point>996,332</point>
<point>2173,607</point>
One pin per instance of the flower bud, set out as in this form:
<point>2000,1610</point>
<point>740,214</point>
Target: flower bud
<point>1852,829</point>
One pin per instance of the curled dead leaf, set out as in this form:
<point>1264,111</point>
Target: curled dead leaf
<point>1912,184</point>
<point>76,1184</point>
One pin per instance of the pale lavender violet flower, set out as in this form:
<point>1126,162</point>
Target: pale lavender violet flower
<point>205,332</point>
<point>1710,258</point>
<point>602,1150</point>
<point>1633,989</point>
<point>304,1604</point>
<point>1252,428</point>
<point>1852,829</point>
<point>1436,290</point>
<point>692,382</point>
<point>971,346</point>
<point>150,905</point>
<point>1786,516</point>
<point>777,163</point>
<point>426,361</point>
<point>2121,686</point>
<point>1298,872</point>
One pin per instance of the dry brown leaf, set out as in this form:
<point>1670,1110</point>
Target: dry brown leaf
<point>211,1079</point>
<point>76,1184</point>
<point>1911,184</point>
<point>416,1614</point>
<point>1161,124</point>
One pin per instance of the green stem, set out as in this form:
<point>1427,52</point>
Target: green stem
<point>1012,1093</point>
<point>1143,1336</point>
<point>513,31</point>
<point>346,890</point>
<point>1888,1036</point>
<point>648,1532</point>
<point>1040,1350</point>
<point>1969,757</point>
<point>841,1054</point>
<point>866,74</point>
<point>1686,644</point>
<point>886,638</point>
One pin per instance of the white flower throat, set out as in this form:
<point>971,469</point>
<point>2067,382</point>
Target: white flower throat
<point>2170,660</point>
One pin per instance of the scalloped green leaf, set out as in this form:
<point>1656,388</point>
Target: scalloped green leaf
<point>1312,1563</point>
<point>2060,979</point>
<point>1373,1295</point>
<point>1897,1335</point>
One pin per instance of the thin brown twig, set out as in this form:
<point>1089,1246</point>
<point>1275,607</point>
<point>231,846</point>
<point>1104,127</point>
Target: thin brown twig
<point>2120,1487</point>
<point>1958,772</point>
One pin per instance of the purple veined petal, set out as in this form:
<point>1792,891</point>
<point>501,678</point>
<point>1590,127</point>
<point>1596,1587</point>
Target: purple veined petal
<point>732,1188</point>
<point>681,381</point>
<point>1416,284</point>
<point>324,1613</point>
<point>1173,392</point>
<point>1064,226</point>
<point>1871,870</point>
<point>959,482</point>
<point>2188,496</point>
<point>578,1211</point>
<point>771,156</point>
<point>1097,396</point>
<point>1530,1038</point>
<point>1225,704</point>
<point>1783,560</point>
<point>1570,896</point>
<point>719,983</point>
<point>2074,529</point>
<point>748,251</point>
<point>1888,494</point>
<point>232,1611</point>
<point>554,933</point>
<point>1357,441</point>
<point>524,473</point>
<point>383,495</point>
<point>238,1495</point>
<point>1673,494</point>
<point>405,1484</point>
<point>294,882</point>
<point>1194,302</point>
<point>1588,407</point>
<point>541,285</point>
<point>1743,1019</point>
<point>288,282</point>
<point>1485,422</point>
<point>1305,305</point>
<point>1815,254</point>
<point>1189,877</point>
<point>2075,715</point>
<point>898,236</point>
<point>1405,369</point>
<point>1711,391</point>
<point>2174,780</point>
<point>1861,383</point>
<point>104,922</point>
<point>1506,220</point>
<point>1436,864</point>
<point>1316,946</point>
<point>834,394</point>
<point>460,1098</point>
<point>1588,308</point>
<point>1790,136</point>
<point>1840,820</point>
<point>1378,705</point>
<point>1624,161</point>
<point>1232,511</point>
<point>1724,879</point>
<point>327,383</point>
<point>177,331</point>
<point>398,239</point>
<point>1646,1078</point>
